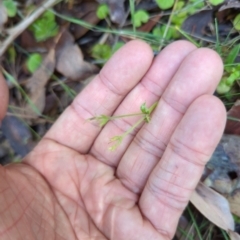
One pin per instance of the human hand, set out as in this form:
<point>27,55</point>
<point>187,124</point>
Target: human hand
<point>72,187</point>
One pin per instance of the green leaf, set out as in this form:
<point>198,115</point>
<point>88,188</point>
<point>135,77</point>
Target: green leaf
<point>44,27</point>
<point>144,109</point>
<point>102,11</point>
<point>101,51</point>
<point>223,88</point>
<point>232,54</point>
<point>11,7</point>
<point>140,17</point>
<point>103,120</point>
<point>159,32</point>
<point>232,78</point>
<point>33,62</point>
<point>165,4</point>
<point>236,22</point>
<point>216,2</point>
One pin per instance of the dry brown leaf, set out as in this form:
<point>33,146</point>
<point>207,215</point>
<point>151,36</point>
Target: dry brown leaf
<point>213,206</point>
<point>230,4</point>
<point>233,235</point>
<point>147,27</point>
<point>232,126</point>
<point>36,85</point>
<point>234,201</point>
<point>69,60</point>
<point>197,23</point>
<point>222,172</point>
<point>84,10</point>
<point>18,135</point>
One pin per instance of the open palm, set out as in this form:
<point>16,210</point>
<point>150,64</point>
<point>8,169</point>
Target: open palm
<point>72,187</point>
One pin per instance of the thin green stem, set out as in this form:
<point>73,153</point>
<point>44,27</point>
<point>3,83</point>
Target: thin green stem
<point>133,127</point>
<point>126,115</point>
<point>188,37</point>
<point>151,109</point>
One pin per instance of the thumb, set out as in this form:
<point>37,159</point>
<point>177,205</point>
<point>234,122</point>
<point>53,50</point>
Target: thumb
<point>3,96</point>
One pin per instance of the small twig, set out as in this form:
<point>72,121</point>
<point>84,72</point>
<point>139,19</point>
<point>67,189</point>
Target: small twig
<point>19,28</point>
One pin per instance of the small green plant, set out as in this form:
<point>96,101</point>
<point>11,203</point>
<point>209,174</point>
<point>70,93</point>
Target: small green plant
<point>231,71</point>
<point>44,27</point>
<point>236,22</point>
<point>33,62</point>
<point>11,7</point>
<point>102,11</point>
<point>139,17</point>
<point>145,117</point>
<point>216,2</point>
<point>158,32</point>
<point>104,51</point>
<point>101,51</point>
<point>165,4</point>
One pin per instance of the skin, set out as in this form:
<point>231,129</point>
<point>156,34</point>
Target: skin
<point>71,187</point>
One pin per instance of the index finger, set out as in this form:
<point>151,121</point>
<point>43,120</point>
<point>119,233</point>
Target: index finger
<point>102,96</point>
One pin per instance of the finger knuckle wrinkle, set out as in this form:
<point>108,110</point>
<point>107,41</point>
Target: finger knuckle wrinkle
<point>168,198</point>
<point>108,84</point>
<point>187,153</point>
<point>150,144</point>
<point>151,86</point>
<point>176,105</point>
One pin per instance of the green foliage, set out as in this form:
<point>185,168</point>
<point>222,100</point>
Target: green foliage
<point>236,218</point>
<point>11,7</point>
<point>102,11</point>
<point>144,109</point>
<point>232,54</point>
<point>216,2</point>
<point>140,17</point>
<point>196,5</point>
<point>165,4</point>
<point>44,27</point>
<point>159,31</point>
<point>104,51</point>
<point>102,120</point>
<point>231,73</point>
<point>101,51</point>
<point>236,22</point>
<point>33,62</point>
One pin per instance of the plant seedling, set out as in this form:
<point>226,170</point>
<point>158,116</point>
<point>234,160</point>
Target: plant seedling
<point>11,7</point>
<point>102,11</point>
<point>145,116</point>
<point>165,4</point>
<point>44,27</point>
<point>33,62</point>
<point>140,17</point>
<point>236,22</point>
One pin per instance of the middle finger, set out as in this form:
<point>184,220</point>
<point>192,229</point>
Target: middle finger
<point>198,74</point>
